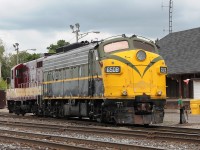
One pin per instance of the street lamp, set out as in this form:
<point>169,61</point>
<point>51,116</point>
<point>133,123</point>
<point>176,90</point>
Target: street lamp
<point>75,31</point>
<point>16,46</point>
<point>79,36</point>
<point>17,49</point>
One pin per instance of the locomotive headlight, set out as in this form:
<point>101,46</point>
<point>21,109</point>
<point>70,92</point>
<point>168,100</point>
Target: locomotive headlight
<point>141,55</point>
<point>124,93</point>
<point>159,93</point>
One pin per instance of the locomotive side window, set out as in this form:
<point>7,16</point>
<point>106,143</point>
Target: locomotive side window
<point>80,71</point>
<point>60,74</point>
<point>71,72</point>
<point>67,73</point>
<point>116,46</point>
<point>84,70</point>
<point>18,73</point>
<point>75,72</point>
<point>39,64</point>
<point>144,46</point>
<point>49,76</point>
<point>45,76</point>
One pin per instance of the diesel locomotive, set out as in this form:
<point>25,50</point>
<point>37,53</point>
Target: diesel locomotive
<point>119,80</point>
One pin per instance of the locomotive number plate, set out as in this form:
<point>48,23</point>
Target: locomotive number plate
<point>163,70</point>
<point>112,69</point>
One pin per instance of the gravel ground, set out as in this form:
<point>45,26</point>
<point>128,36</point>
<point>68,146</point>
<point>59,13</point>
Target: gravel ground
<point>172,118</point>
<point>115,139</point>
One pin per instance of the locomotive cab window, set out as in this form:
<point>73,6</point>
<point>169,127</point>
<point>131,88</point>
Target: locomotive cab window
<point>18,73</point>
<point>143,45</point>
<point>120,45</point>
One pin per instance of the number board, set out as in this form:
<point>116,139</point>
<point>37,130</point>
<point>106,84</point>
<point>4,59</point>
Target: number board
<point>112,69</point>
<point>163,70</point>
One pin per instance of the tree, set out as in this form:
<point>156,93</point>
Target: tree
<point>25,56</point>
<point>6,65</point>
<point>3,84</point>
<point>52,48</point>
<point>2,50</point>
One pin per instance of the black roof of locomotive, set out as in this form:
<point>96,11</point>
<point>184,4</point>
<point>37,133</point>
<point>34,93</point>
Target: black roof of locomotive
<point>71,46</point>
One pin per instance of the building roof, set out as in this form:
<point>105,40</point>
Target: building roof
<point>181,51</point>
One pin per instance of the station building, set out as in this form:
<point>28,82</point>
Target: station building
<point>181,51</point>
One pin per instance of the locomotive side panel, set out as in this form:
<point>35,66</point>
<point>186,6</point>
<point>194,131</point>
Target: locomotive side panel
<point>69,72</point>
<point>83,80</point>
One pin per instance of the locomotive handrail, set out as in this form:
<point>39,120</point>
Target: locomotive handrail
<point>123,35</point>
<point>29,84</point>
<point>139,36</point>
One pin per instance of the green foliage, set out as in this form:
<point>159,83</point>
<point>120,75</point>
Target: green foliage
<point>25,56</point>
<point>3,84</point>
<point>2,50</point>
<point>52,48</point>
<point>6,65</point>
<point>10,60</point>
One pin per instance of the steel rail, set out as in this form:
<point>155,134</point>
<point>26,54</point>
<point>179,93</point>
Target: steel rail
<point>42,143</point>
<point>158,134</point>
<point>68,139</point>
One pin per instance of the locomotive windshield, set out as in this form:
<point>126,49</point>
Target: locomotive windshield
<point>116,46</point>
<point>143,45</point>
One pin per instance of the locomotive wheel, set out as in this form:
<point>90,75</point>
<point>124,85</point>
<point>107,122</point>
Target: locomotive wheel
<point>100,119</point>
<point>91,118</point>
<point>10,111</point>
<point>23,113</point>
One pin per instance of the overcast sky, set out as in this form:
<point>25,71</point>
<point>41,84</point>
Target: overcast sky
<point>38,23</point>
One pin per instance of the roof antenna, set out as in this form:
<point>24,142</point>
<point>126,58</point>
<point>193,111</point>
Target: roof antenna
<point>170,14</point>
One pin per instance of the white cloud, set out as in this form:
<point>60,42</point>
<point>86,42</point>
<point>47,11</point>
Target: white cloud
<point>37,24</point>
<point>33,39</point>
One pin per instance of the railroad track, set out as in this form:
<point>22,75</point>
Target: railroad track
<point>160,133</point>
<point>36,142</point>
<point>46,140</point>
<point>87,122</point>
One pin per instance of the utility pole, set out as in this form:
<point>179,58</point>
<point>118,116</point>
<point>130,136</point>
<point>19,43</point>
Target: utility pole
<point>170,14</point>
<point>17,49</point>
<point>77,30</point>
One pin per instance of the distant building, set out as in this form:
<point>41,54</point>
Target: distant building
<point>181,50</point>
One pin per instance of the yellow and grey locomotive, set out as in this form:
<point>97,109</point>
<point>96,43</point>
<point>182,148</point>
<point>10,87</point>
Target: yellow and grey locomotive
<point>120,80</point>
